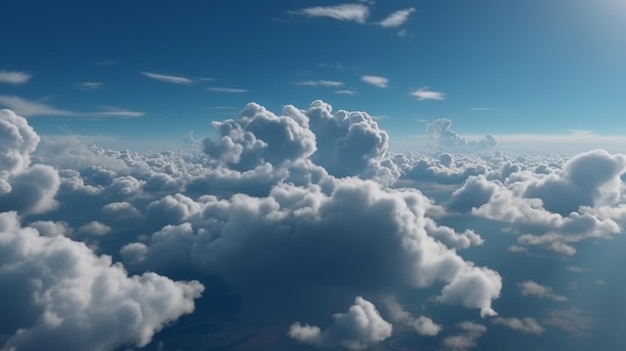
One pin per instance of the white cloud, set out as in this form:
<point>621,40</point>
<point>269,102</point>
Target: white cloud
<point>346,92</point>
<point>14,77</point>
<point>67,298</point>
<point>530,288</point>
<point>356,329</point>
<point>344,12</point>
<point>377,81</point>
<point>445,139</point>
<point>168,78</point>
<point>29,108</point>
<point>397,18</point>
<point>119,112</point>
<point>320,83</point>
<point>425,93</point>
<point>94,228</point>
<point>227,90</point>
<point>90,85</point>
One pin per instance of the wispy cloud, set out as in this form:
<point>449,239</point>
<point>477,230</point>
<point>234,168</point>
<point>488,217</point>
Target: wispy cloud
<point>481,109</point>
<point>168,78</point>
<point>377,81</point>
<point>320,83</point>
<point>227,90</point>
<point>14,77</point>
<point>346,92</point>
<point>397,18</point>
<point>118,112</point>
<point>530,288</point>
<point>90,85</point>
<point>425,93</point>
<point>28,108</point>
<point>344,12</point>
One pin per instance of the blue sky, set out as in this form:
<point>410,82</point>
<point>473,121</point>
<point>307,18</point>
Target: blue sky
<point>499,67</point>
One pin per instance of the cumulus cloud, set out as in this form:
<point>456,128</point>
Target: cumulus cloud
<point>26,188</point>
<point>301,227</point>
<point>425,93</point>
<point>376,81</point>
<point>524,325</point>
<point>397,18</point>
<point>356,329</point>
<point>80,300</point>
<point>344,12</point>
<point>17,141</point>
<point>168,78</point>
<point>553,208</point>
<point>444,138</point>
<point>530,288</point>
<point>14,77</point>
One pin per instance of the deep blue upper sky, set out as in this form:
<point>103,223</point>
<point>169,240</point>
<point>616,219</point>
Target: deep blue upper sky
<point>501,67</point>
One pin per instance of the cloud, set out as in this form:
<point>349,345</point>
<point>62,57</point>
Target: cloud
<point>397,18</point>
<point>356,329</point>
<point>346,92</point>
<point>376,81</point>
<point>320,83</point>
<point>168,78</point>
<point>94,228</point>
<point>26,188</point>
<point>19,140</point>
<point>227,90</point>
<point>443,138</point>
<point>14,77</point>
<point>119,112</point>
<point>425,93</point>
<point>422,325</point>
<point>28,108</point>
<point>90,85</point>
<point>65,297</point>
<point>530,288</point>
<point>344,12</point>
<point>525,325</point>
<point>467,339</point>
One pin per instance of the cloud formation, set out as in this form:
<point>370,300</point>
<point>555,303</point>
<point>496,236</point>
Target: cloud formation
<point>376,81</point>
<point>525,325</point>
<point>467,339</point>
<point>14,77</point>
<point>29,108</point>
<point>425,93</point>
<point>344,12</point>
<point>320,83</point>
<point>445,139</point>
<point>227,90</point>
<point>397,18</point>
<point>79,300</point>
<point>167,78</point>
<point>356,329</point>
<point>530,288</point>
